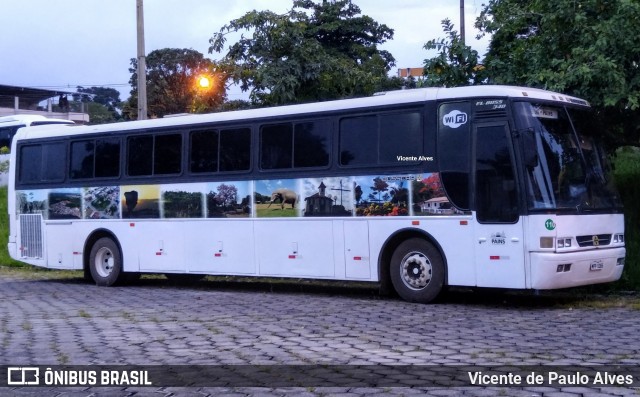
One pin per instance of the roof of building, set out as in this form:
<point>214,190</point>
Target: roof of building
<point>27,94</point>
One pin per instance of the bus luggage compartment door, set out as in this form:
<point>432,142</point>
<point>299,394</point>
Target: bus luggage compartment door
<point>295,248</point>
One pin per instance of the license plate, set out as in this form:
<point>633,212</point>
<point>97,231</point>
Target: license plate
<point>595,266</point>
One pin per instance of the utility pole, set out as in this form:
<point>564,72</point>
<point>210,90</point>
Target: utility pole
<point>142,64</point>
<point>462,21</point>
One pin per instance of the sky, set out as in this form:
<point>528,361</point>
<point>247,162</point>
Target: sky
<point>65,43</point>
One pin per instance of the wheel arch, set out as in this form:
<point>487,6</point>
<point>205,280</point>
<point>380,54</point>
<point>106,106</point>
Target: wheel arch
<point>390,245</point>
<point>88,244</point>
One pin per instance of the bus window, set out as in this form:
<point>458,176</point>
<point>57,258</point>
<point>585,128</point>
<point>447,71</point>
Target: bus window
<point>107,158</point>
<point>82,159</point>
<point>140,155</point>
<point>359,141</point>
<point>400,135</point>
<point>496,198</point>
<point>159,155</point>
<point>235,149</point>
<point>311,144</point>
<point>298,145</point>
<point>204,151</point>
<point>276,146</point>
<point>167,154</point>
<point>381,139</point>
<point>43,163</point>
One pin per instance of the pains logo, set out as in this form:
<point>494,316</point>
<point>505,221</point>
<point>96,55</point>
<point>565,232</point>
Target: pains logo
<point>454,119</point>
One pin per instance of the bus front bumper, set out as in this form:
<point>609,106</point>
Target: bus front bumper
<point>572,269</point>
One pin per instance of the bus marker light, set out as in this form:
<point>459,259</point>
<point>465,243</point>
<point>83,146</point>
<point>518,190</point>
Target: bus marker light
<point>217,254</point>
<point>546,242</point>
<point>293,256</point>
<point>415,223</point>
<point>357,258</point>
<point>494,257</point>
<point>464,223</point>
<point>132,224</point>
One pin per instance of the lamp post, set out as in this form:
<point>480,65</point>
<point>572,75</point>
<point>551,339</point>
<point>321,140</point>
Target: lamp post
<point>142,64</point>
<point>462,21</point>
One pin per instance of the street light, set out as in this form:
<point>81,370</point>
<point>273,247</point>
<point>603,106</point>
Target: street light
<point>204,82</point>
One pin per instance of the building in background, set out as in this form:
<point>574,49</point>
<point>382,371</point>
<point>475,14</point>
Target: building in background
<point>36,101</point>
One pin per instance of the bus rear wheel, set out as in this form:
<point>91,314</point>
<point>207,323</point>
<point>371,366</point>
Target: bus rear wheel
<point>105,262</point>
<point>417,271</point>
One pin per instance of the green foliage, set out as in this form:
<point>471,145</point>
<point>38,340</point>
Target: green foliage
<point>172,83</point>
<point>104,104</point>
<point>313,52</point>
<point>5,150</point>
<point>627,174</point>
<point>585,48</point>
<point>456,64</point>
<point>5,259</point>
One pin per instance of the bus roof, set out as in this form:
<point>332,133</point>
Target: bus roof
<point>385,98</point>
<point>29,119</point>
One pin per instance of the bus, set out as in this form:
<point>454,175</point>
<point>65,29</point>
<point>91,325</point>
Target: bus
<point>10,124</point>
<point>415,190</point>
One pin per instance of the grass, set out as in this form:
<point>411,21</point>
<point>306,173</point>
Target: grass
<point>5,259</point>
<point>627,175</point>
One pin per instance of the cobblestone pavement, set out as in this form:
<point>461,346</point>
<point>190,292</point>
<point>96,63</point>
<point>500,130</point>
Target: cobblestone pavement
<point>61,321</point>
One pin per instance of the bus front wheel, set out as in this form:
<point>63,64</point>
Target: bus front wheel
<point>106,262</point>
<point>417,270</point>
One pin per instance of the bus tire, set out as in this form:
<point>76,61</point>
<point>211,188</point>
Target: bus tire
<point>105,262</point>
<point>417,271</point>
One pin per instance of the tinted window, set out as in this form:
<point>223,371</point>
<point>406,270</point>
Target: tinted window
<point>380,139</point>
<point>276,146</point>
<point>296,145</point>
<point>226,150</point>
<point>140,155</point>
<point>30,163</point>
<point>107,158</point>
<point>167,156</point>
<point>400,135</point>
<point>311,144</point>
<point>82,159</point>
<point>98,158</point>
<point>43,163</point>
<point>496,199</point>
<point>235,149</point>
<point>6,135</point>
<point>359,141</point>
<point>159,155</point>
<point>54,159</point>
<point>204,151</point>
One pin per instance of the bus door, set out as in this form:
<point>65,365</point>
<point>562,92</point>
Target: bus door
<point>498,227</point>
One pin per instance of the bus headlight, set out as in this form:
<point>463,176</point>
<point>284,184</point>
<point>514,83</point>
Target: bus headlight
<point>620,262</point>
<point>563,242</point>
<point>618,238</point>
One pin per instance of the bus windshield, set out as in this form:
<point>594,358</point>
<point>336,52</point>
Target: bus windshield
<point>565,170</point>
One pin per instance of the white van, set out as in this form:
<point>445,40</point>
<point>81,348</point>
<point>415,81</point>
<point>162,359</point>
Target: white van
<point>10,124</point>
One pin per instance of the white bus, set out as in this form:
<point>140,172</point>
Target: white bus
<point>339,190</point>
<point>10,124</point>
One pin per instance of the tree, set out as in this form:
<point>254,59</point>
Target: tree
<point>314,52</point>
<point>456,64</point>
<point>103,103</point>
<point>227,195</point>
<point>172,83</point>
<point>584,48</point>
